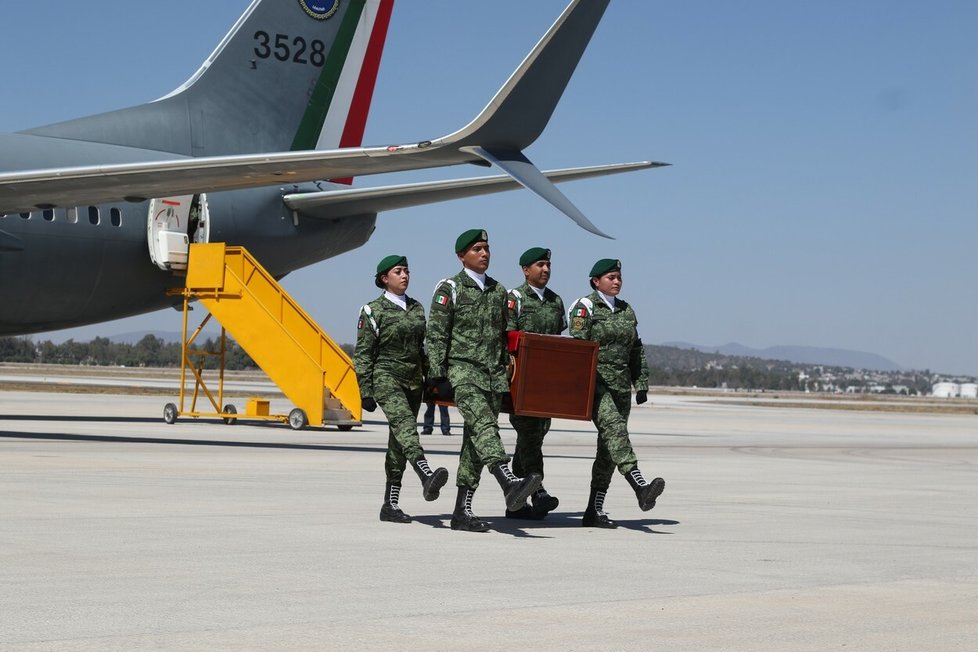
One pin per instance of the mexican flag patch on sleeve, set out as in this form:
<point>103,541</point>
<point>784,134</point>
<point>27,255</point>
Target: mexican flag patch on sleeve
<point>441,300</point>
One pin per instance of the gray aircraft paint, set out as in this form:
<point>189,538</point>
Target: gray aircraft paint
<point>58,274</point>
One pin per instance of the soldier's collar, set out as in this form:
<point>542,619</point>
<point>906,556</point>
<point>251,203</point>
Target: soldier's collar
<point>608,301</point>
<point>538,291</point>
<point>399,300</point>
<point>480,279</point>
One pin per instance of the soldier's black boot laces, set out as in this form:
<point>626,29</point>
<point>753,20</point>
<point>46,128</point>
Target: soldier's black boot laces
<point>594,515</point>
<point>646,492</point>
<point>516,490</point>
<point>431,481</point>
<point>463,518</point>
<point>390,511</point>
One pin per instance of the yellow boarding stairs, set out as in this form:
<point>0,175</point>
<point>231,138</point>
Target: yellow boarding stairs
<point>310,368</point>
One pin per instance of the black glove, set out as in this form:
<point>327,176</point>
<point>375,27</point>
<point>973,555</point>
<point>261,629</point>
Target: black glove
<point>441,389</point>
<point>368,404</point>
<point>641,397</point>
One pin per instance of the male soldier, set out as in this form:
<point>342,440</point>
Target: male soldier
<point>467,353</point>
<point>534,308</point>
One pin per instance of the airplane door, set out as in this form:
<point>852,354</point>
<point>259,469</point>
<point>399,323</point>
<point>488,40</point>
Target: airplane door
<point>173,223</point>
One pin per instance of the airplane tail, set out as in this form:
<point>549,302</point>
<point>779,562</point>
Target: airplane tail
<point>518,113</point>
<point>290,75</point>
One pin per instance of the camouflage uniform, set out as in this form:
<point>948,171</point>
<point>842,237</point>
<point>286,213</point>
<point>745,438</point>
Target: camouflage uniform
<point>466,343</point>
<point>621,366</point>
<point>527,312</point>
<point>390,365</point>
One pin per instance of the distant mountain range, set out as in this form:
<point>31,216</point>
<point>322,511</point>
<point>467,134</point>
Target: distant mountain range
<point>797,354</point>
<point>800,355</point>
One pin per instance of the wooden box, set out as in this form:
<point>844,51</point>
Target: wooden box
<point>554,376</point>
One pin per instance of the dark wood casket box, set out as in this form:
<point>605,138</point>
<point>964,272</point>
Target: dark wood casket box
<point>554,376</point>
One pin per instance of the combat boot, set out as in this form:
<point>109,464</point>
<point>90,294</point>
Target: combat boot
<point>389,511</point>
<point>542,504</point>
<point>431,481</point>
<point>516,490</point>
<point>524,512</point>
<point>646,492</point>
<point>462,517</point>
<point>594,515</point>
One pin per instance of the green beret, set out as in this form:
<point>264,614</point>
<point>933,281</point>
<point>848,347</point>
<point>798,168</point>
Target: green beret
<point>390,262</point>
<point>604,266</point>
<point>386,265</point>
<point>533,254</point>
<point>469,238</point>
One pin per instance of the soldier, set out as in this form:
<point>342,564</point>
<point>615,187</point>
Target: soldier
<point>467,353</point>
<point>534,308</point>
<point>612,323</point>
<point>390,365</point>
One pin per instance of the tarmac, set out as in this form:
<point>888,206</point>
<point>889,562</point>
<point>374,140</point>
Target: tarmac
<point>779,529</point>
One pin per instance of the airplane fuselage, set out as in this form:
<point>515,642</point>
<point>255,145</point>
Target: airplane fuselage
<point>97,213</point>
<point>98,257</point>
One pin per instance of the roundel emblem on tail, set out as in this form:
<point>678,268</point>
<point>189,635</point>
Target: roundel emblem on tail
<point>320,9</point>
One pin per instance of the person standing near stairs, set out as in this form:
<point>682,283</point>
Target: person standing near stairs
<point>468,356</point>
<point>390,364</point>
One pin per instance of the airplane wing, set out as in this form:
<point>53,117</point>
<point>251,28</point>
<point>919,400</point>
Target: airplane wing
<point>511,121</point>
<point>331,204</point>
<point>76,186</point>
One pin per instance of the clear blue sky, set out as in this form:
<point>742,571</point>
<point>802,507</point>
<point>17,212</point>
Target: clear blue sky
<point>825,156</point>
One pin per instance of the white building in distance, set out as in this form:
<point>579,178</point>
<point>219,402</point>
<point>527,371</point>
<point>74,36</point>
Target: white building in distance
<point>946,390</point>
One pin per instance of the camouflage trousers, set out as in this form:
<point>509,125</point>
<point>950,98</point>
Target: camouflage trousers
<point>400,404</point>
<point>610,415</point>
<point>481,444</point>
<point>530,432</point>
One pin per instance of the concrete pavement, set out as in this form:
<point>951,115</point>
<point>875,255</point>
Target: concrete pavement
<point>779,529</point>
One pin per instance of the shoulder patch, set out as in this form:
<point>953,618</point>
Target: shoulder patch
<point>445,295</point>
<point>583,307</point>
<point>366,312</point>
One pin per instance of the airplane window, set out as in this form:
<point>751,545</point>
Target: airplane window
<point>115,217</point>
<point>73,215</point>
<point>26,216</point>
<point>48,214</point>
<point>93,215</point>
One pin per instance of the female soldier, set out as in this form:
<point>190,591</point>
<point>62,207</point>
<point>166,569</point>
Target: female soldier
<point>611,322</point>
<point>390,364</point>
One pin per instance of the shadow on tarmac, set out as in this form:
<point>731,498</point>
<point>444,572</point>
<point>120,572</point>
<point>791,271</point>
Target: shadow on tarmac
<point>189,442</point>
<point>75,419</point>
<point>523,528</point>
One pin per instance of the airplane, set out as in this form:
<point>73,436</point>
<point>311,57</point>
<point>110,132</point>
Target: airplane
<point>258,148</point>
